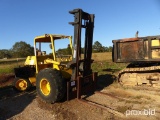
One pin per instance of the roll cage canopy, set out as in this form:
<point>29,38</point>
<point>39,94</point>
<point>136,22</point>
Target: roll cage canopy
<point>48,37</point>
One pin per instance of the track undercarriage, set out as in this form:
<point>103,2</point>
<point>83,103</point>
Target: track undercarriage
<point>140,74</point>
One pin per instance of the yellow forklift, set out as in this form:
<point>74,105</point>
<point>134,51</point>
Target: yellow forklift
<point>57,76</point>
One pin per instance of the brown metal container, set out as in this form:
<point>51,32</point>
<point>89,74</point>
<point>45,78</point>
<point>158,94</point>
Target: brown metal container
<point>136,49</point>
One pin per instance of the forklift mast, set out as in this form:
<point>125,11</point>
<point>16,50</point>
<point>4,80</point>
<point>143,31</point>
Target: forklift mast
<point>86,21</point>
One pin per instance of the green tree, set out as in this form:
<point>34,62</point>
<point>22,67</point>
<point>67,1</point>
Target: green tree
<point>61,51</point>
<point>4,53</point>
<point>97,47</point>
<point>105,49</point>
<point>22,49</point>
<point>110,49</point>
<point>69,50</point>
<point>64,51</point>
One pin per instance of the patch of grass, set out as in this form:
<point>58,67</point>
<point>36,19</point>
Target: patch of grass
<point>11,61</point>
<point>105,56</point>
<point>107,67</point>
<point>123,109</point>
<point>9,68</point>
<point>6,70</point>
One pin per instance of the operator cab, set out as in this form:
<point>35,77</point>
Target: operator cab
<point>46,54</point>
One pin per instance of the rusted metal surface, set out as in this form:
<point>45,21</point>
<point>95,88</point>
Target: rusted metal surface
<point>71,90</point>
<point>83,80</point>
<point>136,49</point>
<point>82,20</point>
<point>131,50</point>
<point>126,40</point>
<point>81,86</point>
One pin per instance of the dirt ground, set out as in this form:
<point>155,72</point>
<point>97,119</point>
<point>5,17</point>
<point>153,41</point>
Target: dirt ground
<point>130,103</point>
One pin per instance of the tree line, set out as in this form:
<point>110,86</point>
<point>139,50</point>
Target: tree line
<point>22,49</point>
<point>19,50</point>
<point>96,48</point>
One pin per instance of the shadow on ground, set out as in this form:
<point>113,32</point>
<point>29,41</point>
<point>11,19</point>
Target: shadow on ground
<point>13,103</point>
<point>111,70</point>
<point>105,80</point>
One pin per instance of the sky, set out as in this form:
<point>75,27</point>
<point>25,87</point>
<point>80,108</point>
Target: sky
<point>23,20</point>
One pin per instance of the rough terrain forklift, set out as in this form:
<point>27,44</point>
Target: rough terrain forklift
<point>59,76</point>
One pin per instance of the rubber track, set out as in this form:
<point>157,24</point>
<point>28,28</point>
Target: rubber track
<point>139,69</point>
